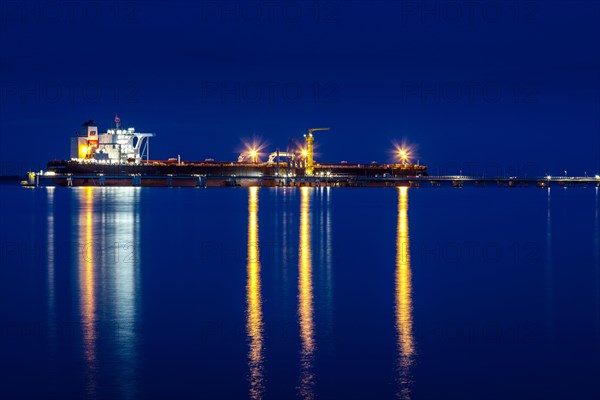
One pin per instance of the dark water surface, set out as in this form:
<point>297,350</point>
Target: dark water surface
<point>300,293</point>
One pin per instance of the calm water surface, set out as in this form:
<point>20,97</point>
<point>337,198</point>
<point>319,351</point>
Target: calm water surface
<point>300,293</point>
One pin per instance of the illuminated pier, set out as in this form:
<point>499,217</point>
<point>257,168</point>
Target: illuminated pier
<point>320,179</point>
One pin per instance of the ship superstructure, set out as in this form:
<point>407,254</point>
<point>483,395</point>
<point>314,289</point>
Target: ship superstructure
<point>115,146</point>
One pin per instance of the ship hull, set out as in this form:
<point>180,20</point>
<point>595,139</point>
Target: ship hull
<point>193,174</point>
<point>233,169</point>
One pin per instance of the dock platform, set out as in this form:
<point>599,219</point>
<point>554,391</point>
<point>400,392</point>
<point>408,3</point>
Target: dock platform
<point>50,179</point>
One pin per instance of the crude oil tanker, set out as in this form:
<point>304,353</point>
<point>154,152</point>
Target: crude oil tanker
<point>120,157</point>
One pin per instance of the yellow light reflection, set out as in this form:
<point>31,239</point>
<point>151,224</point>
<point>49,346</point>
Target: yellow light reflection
<point>404,322</point>
<point>305,304</point>
<point>86,284</point>
<point>254,323</point>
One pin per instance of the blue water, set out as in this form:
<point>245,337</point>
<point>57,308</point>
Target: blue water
<point>345,293</point>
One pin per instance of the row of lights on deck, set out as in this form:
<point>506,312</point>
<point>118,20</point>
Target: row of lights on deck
<point>254,153</point>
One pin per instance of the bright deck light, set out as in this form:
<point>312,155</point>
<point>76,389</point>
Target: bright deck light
<point>253,150</point>
<point>403,155</point>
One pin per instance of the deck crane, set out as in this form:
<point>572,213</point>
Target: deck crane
<point>309,171</point>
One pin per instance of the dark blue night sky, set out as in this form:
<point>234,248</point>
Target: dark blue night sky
<point>482,86</point>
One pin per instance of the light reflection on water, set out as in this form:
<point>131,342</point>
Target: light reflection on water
<point>107,263</point>
<point>305,297</point>
<point>326,256</point>
<point>87,291</point>
<point>51,267</point>
<point>122,225</point>
<point>404,309</point>
<point>254,313</point>
<point>297,357</point>
<point>254,319</point>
